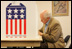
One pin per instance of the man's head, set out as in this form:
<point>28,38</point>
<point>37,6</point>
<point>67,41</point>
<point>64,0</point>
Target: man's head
<point>45,16</point>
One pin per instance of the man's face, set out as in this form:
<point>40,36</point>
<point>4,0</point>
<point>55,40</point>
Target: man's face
<point>43,20</point>
<point>42,15</point>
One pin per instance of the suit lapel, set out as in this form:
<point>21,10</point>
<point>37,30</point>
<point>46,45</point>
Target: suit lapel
<point>43,28</point>
<point>47,26</point>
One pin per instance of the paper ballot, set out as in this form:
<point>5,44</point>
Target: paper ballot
<point>19,20</point>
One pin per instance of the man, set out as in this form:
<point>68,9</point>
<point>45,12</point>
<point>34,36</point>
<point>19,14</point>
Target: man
<point>51,32</point>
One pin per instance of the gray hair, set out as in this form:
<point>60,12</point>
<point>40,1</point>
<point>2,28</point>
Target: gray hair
<point>46,15</point>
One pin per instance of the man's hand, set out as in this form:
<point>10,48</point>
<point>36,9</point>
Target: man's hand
<point>40,33</point>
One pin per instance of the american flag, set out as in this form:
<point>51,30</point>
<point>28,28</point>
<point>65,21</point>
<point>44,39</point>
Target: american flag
<point>15,21</point>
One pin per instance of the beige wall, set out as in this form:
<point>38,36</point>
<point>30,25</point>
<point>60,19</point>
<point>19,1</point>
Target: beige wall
<point>65,21</point>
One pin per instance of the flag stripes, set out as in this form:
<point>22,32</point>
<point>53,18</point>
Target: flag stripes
<point>25,26</point>
<point>11,26</point>
<point>6,26</point>
<point>15,27</point>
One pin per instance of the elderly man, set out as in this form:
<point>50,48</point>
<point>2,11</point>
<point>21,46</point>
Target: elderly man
<point>51,32</point>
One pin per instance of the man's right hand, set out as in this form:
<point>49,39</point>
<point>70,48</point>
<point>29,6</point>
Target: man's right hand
<point>40,33</point>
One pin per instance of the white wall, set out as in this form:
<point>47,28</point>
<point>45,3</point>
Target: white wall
<point>65,21</point>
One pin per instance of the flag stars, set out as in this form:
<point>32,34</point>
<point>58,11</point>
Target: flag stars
<point>9,16</point>
<point>15,16</point>
<point>22,11</point>
<point>22,16</point>
<point>15,11</point>
<point>9,11</point>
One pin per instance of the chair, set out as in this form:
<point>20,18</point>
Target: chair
<point>67,38</point>
<point>66,41</point>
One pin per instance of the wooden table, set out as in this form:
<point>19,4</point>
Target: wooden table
<point>21,43</point>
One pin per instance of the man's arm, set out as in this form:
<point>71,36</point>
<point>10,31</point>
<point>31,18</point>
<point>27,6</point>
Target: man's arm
<point>41,30</point>
<point>55,34</point>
